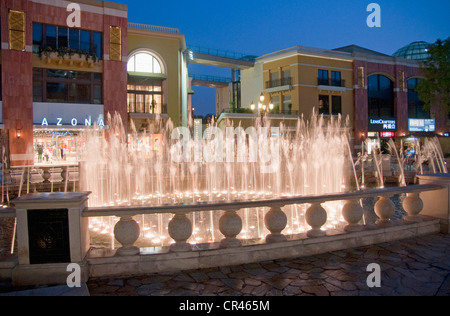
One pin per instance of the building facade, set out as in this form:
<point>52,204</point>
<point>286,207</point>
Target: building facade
<point>157,75</point>
<point>66,68</point>
<point>297,80</point>
<point>377,92</point>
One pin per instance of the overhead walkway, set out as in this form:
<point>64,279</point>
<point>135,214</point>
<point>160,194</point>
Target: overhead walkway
<point>210,81</point>
<point>220,58</point>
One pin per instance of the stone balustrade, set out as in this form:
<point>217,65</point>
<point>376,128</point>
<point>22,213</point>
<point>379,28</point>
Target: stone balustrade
<point>278,244</point>
<point>180,227</point>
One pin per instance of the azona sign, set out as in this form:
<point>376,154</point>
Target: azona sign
<point>74,122</point>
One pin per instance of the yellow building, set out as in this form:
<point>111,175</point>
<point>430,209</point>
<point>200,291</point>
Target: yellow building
<point>296,80</point>
<point>157,75</point>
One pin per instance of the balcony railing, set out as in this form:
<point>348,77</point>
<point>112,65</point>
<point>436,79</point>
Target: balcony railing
<point>145,108</point>
<point>330,82</point>
<point>279,82</point>
<point>249,111</point>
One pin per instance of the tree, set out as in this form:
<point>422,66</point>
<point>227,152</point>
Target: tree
<point>435,87</point>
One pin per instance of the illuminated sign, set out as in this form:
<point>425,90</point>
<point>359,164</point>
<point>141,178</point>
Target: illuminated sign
<point>422,125</point>
<point>74,122</point>
<point>387,134</point>
<point>383,125</point>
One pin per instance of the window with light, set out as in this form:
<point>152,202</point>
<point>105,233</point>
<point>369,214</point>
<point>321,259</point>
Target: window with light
<point>144,62</point>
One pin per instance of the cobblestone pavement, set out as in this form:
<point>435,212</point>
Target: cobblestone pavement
<point>413,267</point>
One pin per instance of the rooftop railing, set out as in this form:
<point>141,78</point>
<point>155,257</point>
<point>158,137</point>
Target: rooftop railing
<point>154,28</point>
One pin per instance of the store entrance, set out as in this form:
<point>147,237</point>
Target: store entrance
<point>56,147</point>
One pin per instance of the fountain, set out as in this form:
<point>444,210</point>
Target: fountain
<point>262,162</point>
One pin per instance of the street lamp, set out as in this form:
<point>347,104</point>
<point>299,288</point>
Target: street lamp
<point>262,108</point>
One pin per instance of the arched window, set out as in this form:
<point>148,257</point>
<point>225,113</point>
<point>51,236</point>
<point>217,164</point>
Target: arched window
<point>144,62</point>
<point>145,92</point>
<point>415,105</point>
<point>381,96</point>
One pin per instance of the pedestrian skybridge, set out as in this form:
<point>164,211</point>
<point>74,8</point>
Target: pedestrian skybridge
<point>210,81</point>
<point>220,58</point>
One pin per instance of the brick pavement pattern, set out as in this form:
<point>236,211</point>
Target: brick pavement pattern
<point>412,267</point>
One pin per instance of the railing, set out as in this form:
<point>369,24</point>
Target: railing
<point>249,111</point>
<point>180,228</point>
<point>223,53</point>
<point>44,178</point>
<point>330,82</point>
<point>146,108</point>
<point>155,28</point>
<point>211,78</point>
<point>279,82</point>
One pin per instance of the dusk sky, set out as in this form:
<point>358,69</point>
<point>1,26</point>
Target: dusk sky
<point>259,27</point>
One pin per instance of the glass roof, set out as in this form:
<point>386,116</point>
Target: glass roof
<point>414,51</point>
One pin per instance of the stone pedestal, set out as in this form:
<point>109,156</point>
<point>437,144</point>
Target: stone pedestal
<point>437,203</point>
<point>51,234</point>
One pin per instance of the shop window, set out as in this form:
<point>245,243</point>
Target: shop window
<point>55,37</point>
<point>287,104</point>
<point>50,37</point>
<point>50,85</point>
<point>324,104</point>
<point>145,97</point>
<point>145,94</point>
<point>37,37</point>
<point>276,102</point>
<point>98,94</point>
<point>63,37</point>
<point>85,41</point>
<point>74,39</point>
<point>336,80</point>
<point>97,44</point>
<point>336,105</point>
<point>144,62</point>
<point>325,108</point>
<point>415,105</point>
<point>323,78</point>
<point>381,96</point>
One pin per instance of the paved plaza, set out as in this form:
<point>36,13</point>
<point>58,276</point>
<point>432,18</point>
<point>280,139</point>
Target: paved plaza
<point>413,267</point>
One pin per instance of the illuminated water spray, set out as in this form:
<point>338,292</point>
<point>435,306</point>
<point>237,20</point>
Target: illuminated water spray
<point>162,166</point>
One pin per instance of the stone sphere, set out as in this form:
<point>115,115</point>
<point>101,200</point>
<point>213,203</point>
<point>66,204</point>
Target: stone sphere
<point>180,228</point>
<point>275,220</point>
<point>385,208</point>
<point>413,205</point>
<point>352,212</point>
<point>316,216</point>
<point>230,224</point>
<point>127,231</point>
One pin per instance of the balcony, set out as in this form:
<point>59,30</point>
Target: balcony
<point>326,84</point>
<point>145,110</point>
<point>255,112</point>
<point>279,83</point>
<point>331,82</point>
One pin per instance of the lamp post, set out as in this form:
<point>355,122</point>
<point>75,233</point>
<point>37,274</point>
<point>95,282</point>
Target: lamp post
<point>262,108</point>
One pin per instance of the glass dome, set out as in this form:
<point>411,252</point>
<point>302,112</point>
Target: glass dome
<point>414,51</point>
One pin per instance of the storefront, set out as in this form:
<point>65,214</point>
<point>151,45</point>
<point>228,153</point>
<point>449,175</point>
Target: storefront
<point>58,146</point>
<point>380,131</point>
<point>146,145</point>
<point>60,131</point>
